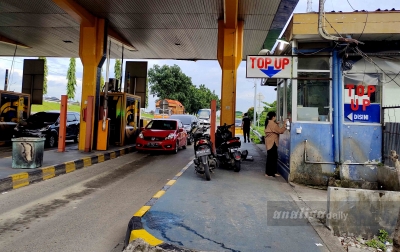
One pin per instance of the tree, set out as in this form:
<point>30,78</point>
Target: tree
<point>45,75</point>
<point>147,94</point>
<point>117,69</point>
<point>168,82</point>
<point>269,106</point>
<point>71,77</point>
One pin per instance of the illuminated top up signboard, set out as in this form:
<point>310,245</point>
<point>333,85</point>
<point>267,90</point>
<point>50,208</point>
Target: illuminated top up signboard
<point>269,67</point>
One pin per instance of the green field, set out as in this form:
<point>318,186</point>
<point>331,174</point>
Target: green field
<point>53,106</point>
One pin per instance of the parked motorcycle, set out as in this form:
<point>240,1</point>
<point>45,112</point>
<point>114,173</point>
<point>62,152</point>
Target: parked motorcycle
<point>205,161</point>
<point>228,149</point>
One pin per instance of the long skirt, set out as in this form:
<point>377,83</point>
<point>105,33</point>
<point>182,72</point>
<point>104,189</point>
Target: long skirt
<point>272,161</point>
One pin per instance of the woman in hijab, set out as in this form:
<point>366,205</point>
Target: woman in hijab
<point>272,131</point>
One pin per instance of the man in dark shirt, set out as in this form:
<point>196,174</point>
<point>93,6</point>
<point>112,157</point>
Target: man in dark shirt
<point>246,127</point>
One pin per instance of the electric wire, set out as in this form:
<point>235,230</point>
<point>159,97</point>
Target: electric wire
<point>12,66</point>
<point>351,5</point>
<point>333,27</point>
<point>365,24</point>
<point>366,57</point>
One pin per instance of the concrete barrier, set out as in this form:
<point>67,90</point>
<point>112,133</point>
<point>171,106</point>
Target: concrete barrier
<point>360,212</point>
<point>26,178</point>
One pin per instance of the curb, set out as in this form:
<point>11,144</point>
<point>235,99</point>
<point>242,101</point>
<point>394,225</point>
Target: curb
<point>22,179</point>
<point>135,228</point>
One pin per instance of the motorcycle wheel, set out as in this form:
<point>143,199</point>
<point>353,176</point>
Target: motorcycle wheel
<point>237,166</point>
<point>207,172</point>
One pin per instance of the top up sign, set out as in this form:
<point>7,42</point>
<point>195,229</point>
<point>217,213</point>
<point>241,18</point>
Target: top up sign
<point>361,98</point>
<point>269,67</point>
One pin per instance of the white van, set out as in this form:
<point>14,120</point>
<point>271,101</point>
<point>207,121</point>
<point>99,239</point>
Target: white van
<point>204,116</point>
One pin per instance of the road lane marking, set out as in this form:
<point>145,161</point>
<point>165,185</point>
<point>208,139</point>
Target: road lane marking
<point>100,158</point>
<point>20,180</point>
<point>142,211</point>
<point>48,172</point>
<point>142,233</point>
<point>70,167</point>
<point>159,194</point>
<point>171,182</point>
<point>146,236</point>
<point>87,161</point>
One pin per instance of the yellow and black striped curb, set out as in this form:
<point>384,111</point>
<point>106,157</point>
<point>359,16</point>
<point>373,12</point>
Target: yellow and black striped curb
<point>25,178</point>
<point>135,228</point>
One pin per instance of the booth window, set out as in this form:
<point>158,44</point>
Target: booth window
<point>362,87</point>
<point>313,96</point>
<point>313,88</point>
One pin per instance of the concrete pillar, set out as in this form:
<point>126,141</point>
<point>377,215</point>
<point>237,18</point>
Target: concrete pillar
<point>229,54</point>
<point>92,51</point>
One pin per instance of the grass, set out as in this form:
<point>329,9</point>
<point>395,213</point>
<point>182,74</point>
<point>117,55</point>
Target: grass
<point>147,115</point>
<point>255,138</point>
<point>53,106</point>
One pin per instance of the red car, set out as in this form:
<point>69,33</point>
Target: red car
<point>162,134</point>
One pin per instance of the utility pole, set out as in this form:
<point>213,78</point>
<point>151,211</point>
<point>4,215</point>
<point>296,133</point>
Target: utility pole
<point>260,97</point>
<point>309,6</point>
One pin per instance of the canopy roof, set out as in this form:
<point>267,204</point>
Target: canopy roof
<point>157,29</point>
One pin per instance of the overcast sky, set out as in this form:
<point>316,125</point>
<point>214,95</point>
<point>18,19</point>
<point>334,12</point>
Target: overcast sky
<point>201,72</point>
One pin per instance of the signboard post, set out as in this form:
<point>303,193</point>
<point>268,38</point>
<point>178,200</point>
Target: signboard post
<point>163,106</point>
<point>269,67</point>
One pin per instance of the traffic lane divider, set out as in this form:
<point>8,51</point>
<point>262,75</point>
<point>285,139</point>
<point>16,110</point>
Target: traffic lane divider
<point>135,228</point>
<point>22,179</point>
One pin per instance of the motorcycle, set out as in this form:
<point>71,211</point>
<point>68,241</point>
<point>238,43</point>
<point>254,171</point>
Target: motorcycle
<point>205,161</point>
<point>228,149</point>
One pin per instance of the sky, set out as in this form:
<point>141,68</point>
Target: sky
<point>58,67</point>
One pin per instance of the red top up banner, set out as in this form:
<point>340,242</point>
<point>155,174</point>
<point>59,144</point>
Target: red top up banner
<point>269,67</point>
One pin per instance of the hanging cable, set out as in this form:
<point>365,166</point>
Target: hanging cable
<point>12,66</point>
<point>362,54</point>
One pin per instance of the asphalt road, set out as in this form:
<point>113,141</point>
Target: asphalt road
<point>86,210</point>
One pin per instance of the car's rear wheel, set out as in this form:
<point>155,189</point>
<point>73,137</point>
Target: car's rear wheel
<point>52,140</point>
<point>76,139</point>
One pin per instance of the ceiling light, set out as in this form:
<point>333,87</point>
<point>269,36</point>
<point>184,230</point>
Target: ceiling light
<point>67,41</point>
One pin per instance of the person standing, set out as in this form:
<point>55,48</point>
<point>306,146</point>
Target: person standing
<point>272,131</point>
<point>246,127</point>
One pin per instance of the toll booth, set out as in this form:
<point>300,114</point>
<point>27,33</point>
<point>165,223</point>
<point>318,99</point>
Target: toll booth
<point>334,110</point>
<point>123,120</point>
<point>14,107</point>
